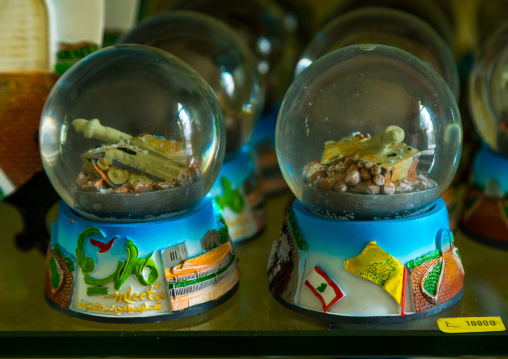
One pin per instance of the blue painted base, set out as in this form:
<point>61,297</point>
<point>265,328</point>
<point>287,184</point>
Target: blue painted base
<point>366,271</point>
<point>240,196</point>
<point>490,169</point>
<point>485,216</point>
<point>140,272</point>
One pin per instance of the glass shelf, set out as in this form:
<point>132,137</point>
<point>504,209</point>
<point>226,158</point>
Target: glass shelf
<point>251,323</point>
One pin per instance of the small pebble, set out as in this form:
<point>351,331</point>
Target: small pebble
<point>185,177</point>
<point>403,186</point>
<point>316,176</point>
<point>366,187</point>
<point>352,178</point>
<point>365,173</point>
<point>313,167</point>
<point>331,171</point>
<point>194,169</point>
<point>389,188</point>
<point>375,170</point>
<point>340,186</point>
<point>342,167</point>
<point>339,176</point>
<point>379,180</point>
<point>352,168</point>
<point>368,165</point>
<point>326,184</point>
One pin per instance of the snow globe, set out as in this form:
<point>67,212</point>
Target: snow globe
<point>132,139</point>
<point>264,26</point>
<point>214,51</point>
<point>485,215</point>
<point>395,28</point>
<point>368,138</point>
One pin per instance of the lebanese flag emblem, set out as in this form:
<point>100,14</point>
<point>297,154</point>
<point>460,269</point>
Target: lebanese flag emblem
<point>324,287</point>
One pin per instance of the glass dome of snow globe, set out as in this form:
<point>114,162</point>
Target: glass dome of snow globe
<point>488,91</point>
<point>384,26</point>
<point>438,14</point>
<point>368,132</point>
<point>261,24</point>
<point>219,56</point>
<point>132,133</point>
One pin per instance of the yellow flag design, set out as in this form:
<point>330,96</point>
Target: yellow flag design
<point>379,267</point>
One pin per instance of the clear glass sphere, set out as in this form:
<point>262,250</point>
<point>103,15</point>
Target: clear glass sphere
<point>436,13</point>
<point>384,26</point>
<point>131,133</point>
<point>368,132</point>
<point>488,91</point>
<point>219,56</point>
<point>261,25</point>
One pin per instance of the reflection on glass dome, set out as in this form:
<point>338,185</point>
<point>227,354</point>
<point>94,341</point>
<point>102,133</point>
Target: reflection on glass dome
<point>261,25</point>
<point>438,14</point>
<point>131,133</point>
<point>368,132</point>
<point>488,91</point>
<point>219,56</point>
<point>385,27</point>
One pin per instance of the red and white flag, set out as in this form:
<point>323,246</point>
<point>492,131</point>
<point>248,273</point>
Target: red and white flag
<point>324,287</point>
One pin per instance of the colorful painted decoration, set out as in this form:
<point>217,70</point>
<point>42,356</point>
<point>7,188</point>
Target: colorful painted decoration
<point>239,194</point>
<point>110,271</point>
<point>232,198</point>
<point>324,287</point>
<point>203,278</point>
<point>437,276</point>
<point>379,267</point>
<point>132,265</point>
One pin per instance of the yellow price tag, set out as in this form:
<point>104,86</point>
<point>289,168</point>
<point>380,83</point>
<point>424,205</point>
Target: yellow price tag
<point>471,324</point>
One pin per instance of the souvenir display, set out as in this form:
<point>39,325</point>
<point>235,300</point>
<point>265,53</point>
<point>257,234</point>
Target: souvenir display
<point>485,215</point>
<point>368,139</point>
<point>261,25</point>
<point>225,62</point>
<point>132,139</point>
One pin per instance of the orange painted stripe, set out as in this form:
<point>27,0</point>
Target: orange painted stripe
<point>200,263</point>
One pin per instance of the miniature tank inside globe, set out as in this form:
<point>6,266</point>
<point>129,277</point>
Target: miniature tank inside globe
<point>219,56</point>
<point>488,91</point>
<point>389,27</point>
<point>132,133</point>
<point>368,132</point>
